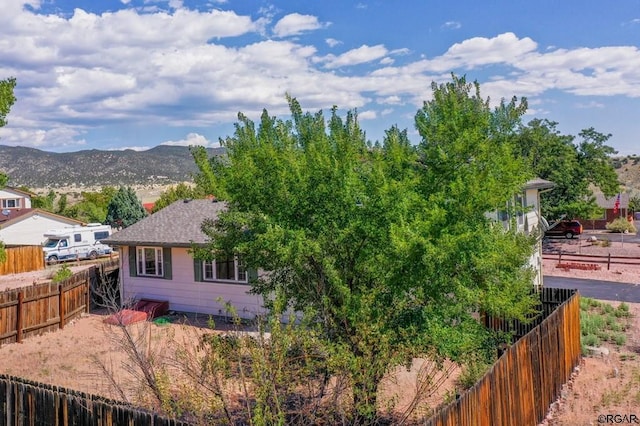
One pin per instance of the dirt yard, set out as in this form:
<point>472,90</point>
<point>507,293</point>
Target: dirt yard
<point>77,356</point>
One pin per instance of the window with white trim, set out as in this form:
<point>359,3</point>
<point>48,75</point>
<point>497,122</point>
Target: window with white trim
<point>224,270</point>
<point>149,261</point>
<point>10,203</point>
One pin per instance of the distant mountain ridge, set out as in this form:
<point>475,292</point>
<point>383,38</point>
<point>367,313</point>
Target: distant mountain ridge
<point>35,168</point>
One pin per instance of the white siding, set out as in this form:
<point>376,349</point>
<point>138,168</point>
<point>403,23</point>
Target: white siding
<point>30,230</point>
<point>184,293</point>
<point>8,194</point>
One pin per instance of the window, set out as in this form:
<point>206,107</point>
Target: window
<point>220,270</point>
<point>10,204</point>
<point>153,262</point>
<point>520,202</point>
<point>100,235</point>
<point>149,261</point>
<point>77,237</point>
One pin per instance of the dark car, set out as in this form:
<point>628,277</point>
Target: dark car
<point>566,228</point>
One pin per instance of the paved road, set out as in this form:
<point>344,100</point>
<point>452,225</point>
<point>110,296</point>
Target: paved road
<point>603,290</point>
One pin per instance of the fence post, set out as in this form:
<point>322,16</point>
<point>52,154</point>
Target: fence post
<point>608,261</point>
<point>61,305</point>
<point>560,256</point>
<point>87,300</point>
<point>19,318</point>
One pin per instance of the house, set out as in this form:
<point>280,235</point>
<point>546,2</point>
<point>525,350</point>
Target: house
<point>528,219</point>
<point>156,263</point>
<point>27,226</point>
<point>13,198</point>
<point>609,210</point>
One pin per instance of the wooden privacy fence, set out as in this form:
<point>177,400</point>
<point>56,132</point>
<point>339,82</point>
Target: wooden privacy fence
<point>527,378</point>
<point>592,258</point>
<point>22,259</point>
<point>37,309</point>
<point>23,402</point>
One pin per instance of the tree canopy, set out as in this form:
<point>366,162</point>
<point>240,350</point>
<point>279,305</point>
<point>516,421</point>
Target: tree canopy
<point>385,249</point>
<point>180,191</point>
<point>574,168</point>
<point>7,100</point>
<point>125,208</point>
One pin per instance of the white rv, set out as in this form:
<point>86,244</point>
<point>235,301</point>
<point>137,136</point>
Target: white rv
<point>76,242</point>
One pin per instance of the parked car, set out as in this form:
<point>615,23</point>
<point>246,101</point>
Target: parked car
<point>566,228</point>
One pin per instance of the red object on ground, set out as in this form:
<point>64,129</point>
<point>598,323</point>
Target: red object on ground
<point>126,317</point>
<point>143,310</point>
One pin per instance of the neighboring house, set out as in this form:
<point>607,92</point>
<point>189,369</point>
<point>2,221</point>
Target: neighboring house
<point>528,219</point>
<point>12,198</point>
<point>609,211</point>
<point>156,263</point>
<point>26,226</point>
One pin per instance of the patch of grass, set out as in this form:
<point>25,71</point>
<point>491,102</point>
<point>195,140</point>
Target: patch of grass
<point>602,322</point>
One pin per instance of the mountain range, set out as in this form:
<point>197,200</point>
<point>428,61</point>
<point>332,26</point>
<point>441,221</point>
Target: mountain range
<point>35,168</point>
<point>162,165</point>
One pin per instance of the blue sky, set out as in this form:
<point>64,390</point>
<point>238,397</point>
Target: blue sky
<point>116,74</point>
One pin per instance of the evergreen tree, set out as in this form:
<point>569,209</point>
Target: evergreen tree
<point>124,209</point>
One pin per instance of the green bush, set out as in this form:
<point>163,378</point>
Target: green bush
<point>621,225</point>
<point>61,274</point>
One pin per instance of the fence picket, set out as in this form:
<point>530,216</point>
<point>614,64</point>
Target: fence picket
<point>528,377</point>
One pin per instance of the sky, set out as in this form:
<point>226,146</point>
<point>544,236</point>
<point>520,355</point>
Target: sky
<point>134,74</point>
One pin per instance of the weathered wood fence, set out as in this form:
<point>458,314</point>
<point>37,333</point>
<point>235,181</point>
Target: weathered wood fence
<point>528,377</point>
<point>593,258</point>
<point>23,402</point>
<point>40,308</point>
<point>22,259</point>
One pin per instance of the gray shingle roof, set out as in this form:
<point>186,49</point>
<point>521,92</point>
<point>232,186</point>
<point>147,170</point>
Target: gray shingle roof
<point>176,225</point>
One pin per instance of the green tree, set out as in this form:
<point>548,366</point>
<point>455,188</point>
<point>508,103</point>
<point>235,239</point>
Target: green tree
<point>386,249</point>
<point>62,204</point>
<point>575,169</point>
<point>634,203</point>
<point>174,193</point>
<point>44,202</point>
<point>93,205</point>
<point>7,100</point>
<point>125,208</point>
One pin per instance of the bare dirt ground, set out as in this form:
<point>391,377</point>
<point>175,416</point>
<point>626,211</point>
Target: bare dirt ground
<point>76,356</point>
<point>609,384</point>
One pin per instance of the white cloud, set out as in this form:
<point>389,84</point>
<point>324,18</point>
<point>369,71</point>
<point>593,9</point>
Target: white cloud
<point>452,25</point>
<point>367,115</point>
<point>589,105</point>
<point>391,100</point>
<point>133,148</point>
<point>192,139</point>
<point>360,55</point>
<point>295,24</point>
<point>332,42</point>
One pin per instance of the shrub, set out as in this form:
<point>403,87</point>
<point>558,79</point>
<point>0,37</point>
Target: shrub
<point>621,225</point>
<point>61,274</point>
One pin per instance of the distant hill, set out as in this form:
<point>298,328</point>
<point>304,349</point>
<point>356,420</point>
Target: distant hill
<point>37,169</point>
<point>628,170</point>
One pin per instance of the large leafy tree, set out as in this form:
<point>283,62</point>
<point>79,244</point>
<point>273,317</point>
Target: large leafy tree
<point>125,208</point>
<point>386,248</point>
<point>576,167</point>
<point>174,193</point>
<point>7,100</point>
